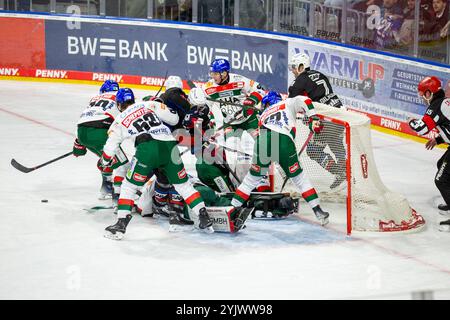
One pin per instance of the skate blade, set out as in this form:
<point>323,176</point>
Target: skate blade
<point>444,213</point>
<point>178,228</point>
<point>113,236</point>
<point>444,228</point>
<point>324,222</point>
<point>104,197</point>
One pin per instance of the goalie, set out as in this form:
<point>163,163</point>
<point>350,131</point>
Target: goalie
<point>218,204</point>
<point>275,142</point>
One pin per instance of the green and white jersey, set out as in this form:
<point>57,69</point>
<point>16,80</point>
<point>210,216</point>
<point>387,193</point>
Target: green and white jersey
<point>147,117</point>
<point>102,108</point>
<point>281,117</point>
<point>235,91</point>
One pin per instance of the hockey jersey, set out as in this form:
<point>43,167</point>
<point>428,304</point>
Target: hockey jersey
<point>316,86</point>
<point>282,116</point>
<point>141,118</point>
<point>101,112</point>
<point>235,91</point>
<point>436,116</point>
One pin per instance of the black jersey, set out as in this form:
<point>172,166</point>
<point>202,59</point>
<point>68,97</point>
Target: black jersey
<point>316,86</point>
<point>436,116</point>
<point>177,100</point>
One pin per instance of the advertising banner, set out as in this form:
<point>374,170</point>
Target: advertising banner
<point>22,43</point>
<point>375,84</point>
<point>154,51</point>
<point>142,53</point>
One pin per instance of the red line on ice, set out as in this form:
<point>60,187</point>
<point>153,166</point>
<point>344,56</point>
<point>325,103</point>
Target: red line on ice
<point>36,121</point>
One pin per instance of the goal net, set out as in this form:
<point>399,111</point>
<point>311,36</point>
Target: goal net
<point>340,164</point>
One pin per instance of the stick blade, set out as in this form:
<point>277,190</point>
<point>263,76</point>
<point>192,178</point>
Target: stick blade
<point>20,167</point>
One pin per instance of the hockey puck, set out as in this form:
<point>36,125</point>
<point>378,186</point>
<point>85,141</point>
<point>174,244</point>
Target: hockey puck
<point>44,200</point>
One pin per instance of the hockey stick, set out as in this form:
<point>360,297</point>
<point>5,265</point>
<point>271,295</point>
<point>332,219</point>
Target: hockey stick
<point>299,154</point>
<point>162,85</point>
<point>191,84</point>
<point>24,169</point>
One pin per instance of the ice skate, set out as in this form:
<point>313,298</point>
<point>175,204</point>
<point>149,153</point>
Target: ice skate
<point>179,223</point>
<point>205,222</point>
<point>444,209</point>
<point>444,226</point>
<point>117,231</point>
<point>321,215</point>
<point>241,217</point>
<point>106,190</point>
<point>163,210</point>
<point>115,200</point>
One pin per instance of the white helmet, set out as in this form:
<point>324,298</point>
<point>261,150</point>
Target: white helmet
<point>298,59</point>
<point>173,82</point>
<point>197,97</point>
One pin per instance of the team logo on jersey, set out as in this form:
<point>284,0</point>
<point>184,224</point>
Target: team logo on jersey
<point>182,174</point>
<point>133,116</point>
<point>364,166</point>
<point>294,167</point>
<point>224,88</point>
<point>139,177</point>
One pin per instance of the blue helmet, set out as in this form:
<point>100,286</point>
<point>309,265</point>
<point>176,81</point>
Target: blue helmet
<point>108,86</point>
<point>125,95</point>
<point>220,65</point>
<point>271,98</point>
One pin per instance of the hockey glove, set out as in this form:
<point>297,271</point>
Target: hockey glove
<point>249,102</point>
<point>197,112</point>
<point>315,125</point>
<point>78,149</point>
<point>105,161</point>
<point>244,113</point>
<point>189,121</point>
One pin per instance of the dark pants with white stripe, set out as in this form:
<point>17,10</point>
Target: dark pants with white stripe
<point>442,179</point>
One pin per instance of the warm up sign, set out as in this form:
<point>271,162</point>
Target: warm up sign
<point>147,50</point>
<point>383,87</point>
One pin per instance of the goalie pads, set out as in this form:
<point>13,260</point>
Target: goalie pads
<point>221,218</point>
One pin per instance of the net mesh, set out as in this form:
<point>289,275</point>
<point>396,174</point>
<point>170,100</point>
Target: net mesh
<point>372,207</point>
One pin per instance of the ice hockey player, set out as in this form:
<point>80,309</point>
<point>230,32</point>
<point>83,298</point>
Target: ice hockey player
<point>317,87</point>
<point>166,200</point>
<point>275,142</point>
<point>175,98</point>
<point>229,88</point>
<point>92,134</point>
<point>218,204</point>
<point>212,168</point>
<point>436,116</point>
<point>156,148</point>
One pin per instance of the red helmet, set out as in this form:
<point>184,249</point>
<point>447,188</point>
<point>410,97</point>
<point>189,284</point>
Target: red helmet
<point>432,84</point>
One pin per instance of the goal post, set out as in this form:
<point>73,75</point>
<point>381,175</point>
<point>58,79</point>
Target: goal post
<point>340,164</point>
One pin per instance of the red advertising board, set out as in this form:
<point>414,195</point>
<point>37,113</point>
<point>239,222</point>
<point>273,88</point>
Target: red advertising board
<point>22,43</point>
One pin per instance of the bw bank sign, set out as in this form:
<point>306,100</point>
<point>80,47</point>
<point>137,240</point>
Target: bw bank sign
<point>239,60</point>
<point>153,51</point>
<point>117,48</point>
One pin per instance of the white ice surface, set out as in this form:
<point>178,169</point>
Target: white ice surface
<point>57,250</point>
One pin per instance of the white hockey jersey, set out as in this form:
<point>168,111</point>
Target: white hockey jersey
<point>235,91</point>
<point>147,117</point>
<point>281,117</point>
<point>102,108</point>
